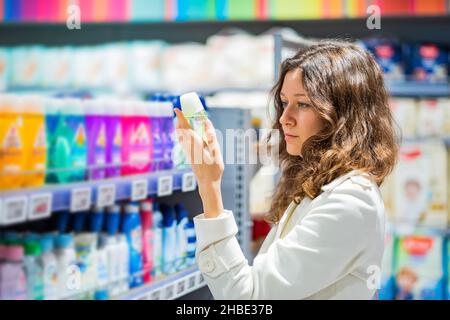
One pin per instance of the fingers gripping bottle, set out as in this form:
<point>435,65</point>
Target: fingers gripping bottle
<point>195,113</point>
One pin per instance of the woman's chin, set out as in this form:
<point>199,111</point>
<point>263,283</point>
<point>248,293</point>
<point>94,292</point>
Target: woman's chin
<point>293,150</point>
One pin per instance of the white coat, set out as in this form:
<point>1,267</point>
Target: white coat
<point>330,247</point>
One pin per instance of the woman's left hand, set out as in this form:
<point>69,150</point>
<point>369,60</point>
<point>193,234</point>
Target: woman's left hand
<point>206,161</point>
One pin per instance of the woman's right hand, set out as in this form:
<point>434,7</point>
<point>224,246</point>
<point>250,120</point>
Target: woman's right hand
<point>206,161</point>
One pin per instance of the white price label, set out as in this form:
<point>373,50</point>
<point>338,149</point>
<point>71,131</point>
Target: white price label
<point>106,195</point>
<point>189,183</point>
<point>169,292</point>
<point>40,206</point>
<point>156,295</point>
<point>80,199</point>
<point>191,282</point>
<point>200,280</point>
<point>181,287</point>
<point>165,186</point>
<point>15,210</point>
<point>139,190</point>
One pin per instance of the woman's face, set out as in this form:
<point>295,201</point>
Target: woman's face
<point>299,119</point>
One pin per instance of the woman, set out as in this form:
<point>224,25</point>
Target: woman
<point>337,145</point>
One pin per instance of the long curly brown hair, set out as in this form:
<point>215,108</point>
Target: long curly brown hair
<point>345,86</point>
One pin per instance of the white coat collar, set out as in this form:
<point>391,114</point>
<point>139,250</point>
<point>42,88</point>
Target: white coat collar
<point>333,184</point>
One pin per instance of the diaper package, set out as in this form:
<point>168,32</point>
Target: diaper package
<point>420,185</point>
<point>419,267</point>
<point>427,62</point>
<point>386,291</point>
<point>431,116</point>
<point>405,115</point>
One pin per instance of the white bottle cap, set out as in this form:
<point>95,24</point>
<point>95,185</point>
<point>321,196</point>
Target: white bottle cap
<point>146,205</point>
<point>190,104</point>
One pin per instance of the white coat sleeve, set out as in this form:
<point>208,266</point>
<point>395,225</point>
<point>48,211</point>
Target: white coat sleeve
<point>313,255</point>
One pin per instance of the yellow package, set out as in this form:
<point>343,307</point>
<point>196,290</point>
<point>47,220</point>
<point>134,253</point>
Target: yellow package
<point>12,137</point>
<point>35,144</point>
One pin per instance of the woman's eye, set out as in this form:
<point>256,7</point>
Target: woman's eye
<point>303,105</point>
<point>284,104</point>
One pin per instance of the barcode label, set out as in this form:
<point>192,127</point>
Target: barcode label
<point>188,182</point>
<point>80,199</point>
<point>139,190</point>
<point>40,206</point>
<point>169,292</point>
<point>106,195</point>
<point>165,186</point>
<point>15,210</point>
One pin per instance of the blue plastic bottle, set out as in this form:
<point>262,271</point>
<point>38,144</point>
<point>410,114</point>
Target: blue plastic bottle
<point>131,227</point>
<point>191,243</point>
<point>157,239</point>
<point>169,239</point>
<point>181,239</point>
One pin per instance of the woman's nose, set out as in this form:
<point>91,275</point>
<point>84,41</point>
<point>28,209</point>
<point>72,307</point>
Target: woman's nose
<point>286,118</point>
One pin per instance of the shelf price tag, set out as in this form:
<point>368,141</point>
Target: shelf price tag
<point>80,199</point>
<point>165,186</point>
<point>188,182</point>
<point>169,292</point>
<point>181,287</point>
<point>200,280</point>
<point>106,195</point>
<point>156,295</point>
<point>40,206</point>
<point>191,282</point>
<point>139,190</point>
<point>15,210</point>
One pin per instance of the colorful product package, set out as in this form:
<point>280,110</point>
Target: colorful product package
<point>5,68</point>
<point>26,66</point>
<point>420,185</point>
<point>137,142</point>
<point>428,62</point>
<point>113,138</point>
<point>59,67</point>
<point>96,139</point>
<point>12,139</point>
<point>387,275</point>
<point>405,114</point>
<point>430,118</point>
<point>389,55</point>
<point>35,143</point>
<point>419,267</point>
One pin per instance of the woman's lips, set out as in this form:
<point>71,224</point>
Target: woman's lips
<point>289,136</point>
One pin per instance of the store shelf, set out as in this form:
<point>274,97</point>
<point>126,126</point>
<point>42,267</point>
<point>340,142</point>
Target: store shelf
<point>167,288</point>
<point>419,89</point>
<point>20,205</point>
<point>414,28</point>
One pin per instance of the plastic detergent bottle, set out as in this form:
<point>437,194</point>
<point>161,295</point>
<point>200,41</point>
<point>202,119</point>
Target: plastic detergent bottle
<point>194,112</point>
<point>157,239</point>
<point>157,151</point>
<point>169,239</point>
<point>12,140</point>
<point>13,285</point>
<point>68,272</point>
<point>112,249</point>
<point>76,123</point>
<point>50,268</point>
<point>147,238</point>
<point>181,238</point>
<point>113,138</point>
<point>58,147</point>
<point>101,283</point>
<point>167,133</point>
<point>96,139</point>
<point>131,227</point>
<point>137,142</point>
<point>191,243</point>
<point>34,270</point>
<point>123,250</point>
<point>35,143</point>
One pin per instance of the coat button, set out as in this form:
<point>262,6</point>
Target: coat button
<point>207,266</point>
